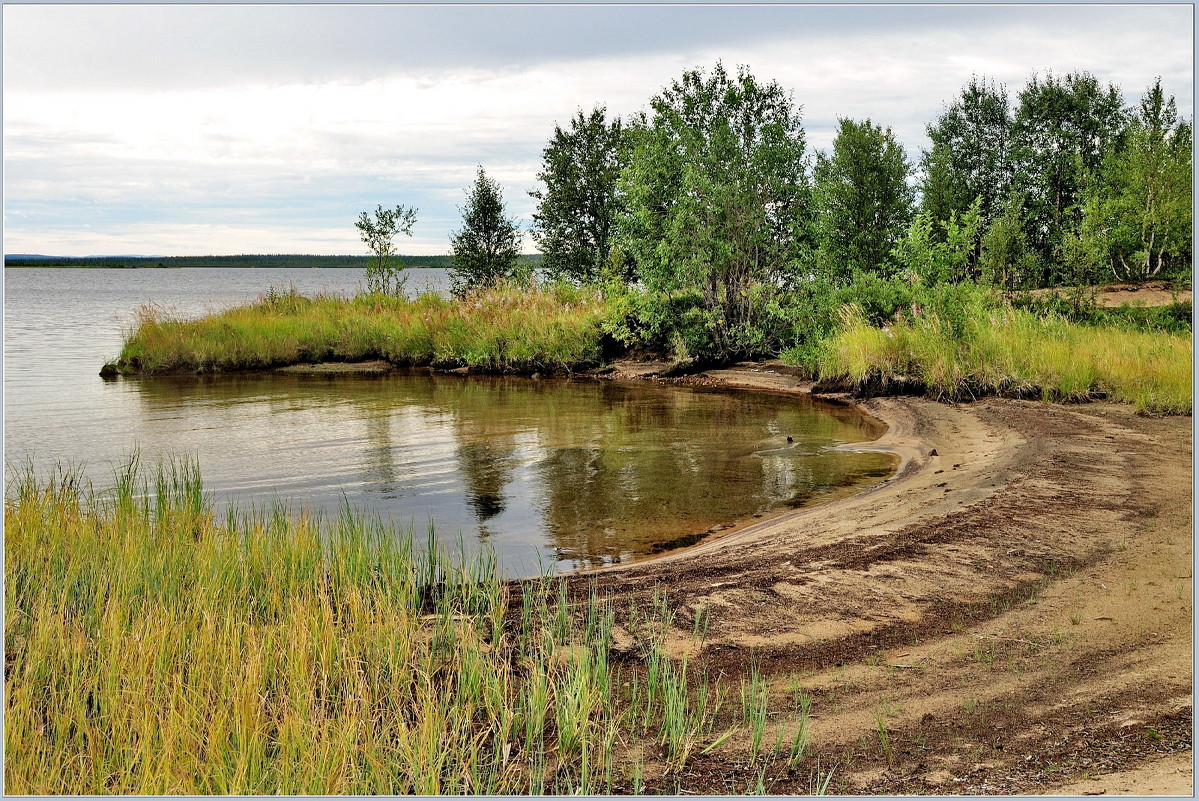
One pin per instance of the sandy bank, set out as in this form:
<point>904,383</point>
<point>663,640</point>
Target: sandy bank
<point>1148,294</point>
<point>1014,605</point>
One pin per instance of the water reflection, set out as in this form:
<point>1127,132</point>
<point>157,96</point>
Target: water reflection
<point>551,472</point>
<point>379,459</point>
<point>487,468</point>
<point>577,473</point>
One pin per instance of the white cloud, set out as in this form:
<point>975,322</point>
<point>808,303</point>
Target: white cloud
<point>190,239</point>
<point>276,159</point>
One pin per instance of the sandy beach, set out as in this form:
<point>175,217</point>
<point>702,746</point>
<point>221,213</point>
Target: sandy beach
<point>1012,609</point>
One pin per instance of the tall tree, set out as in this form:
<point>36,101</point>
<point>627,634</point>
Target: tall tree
<point>1062,129</point>
<point>969,157</point>
<point>1137,214</point>
<point>576,212</point>
<point>485,249</point>
<point>717,207</point>
<point>1004,260</point>
<point>862,197</point>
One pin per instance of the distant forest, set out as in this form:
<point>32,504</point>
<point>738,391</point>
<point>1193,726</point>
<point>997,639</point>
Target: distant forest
<point>288,261</point>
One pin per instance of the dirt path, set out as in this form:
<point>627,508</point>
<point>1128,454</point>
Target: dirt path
<point>1010,614</point>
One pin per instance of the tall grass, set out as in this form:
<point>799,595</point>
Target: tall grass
<point>965,341</point>
<point>152,647</point>
<point>1010,351</point>
<point>503,327</point>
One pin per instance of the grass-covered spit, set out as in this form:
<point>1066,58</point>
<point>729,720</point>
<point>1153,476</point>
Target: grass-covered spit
<point>955,342</point>
<point>508,327</point>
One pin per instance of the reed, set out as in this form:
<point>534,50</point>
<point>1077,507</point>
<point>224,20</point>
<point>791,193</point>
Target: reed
<point>755,696</point>
<point>153,646</point>
<point>803,735</point>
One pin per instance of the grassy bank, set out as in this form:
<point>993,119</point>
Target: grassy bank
<point>955,341</point>
<point>509,327</point>
<point>1009,351</point>
<point>152,647</point>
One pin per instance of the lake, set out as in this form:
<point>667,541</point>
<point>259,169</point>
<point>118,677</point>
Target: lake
<point>552,473</point>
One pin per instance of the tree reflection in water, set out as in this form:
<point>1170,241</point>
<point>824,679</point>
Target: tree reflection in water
<point>578,472</point>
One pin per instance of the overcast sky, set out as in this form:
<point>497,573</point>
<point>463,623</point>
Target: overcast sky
<point>203,130</point>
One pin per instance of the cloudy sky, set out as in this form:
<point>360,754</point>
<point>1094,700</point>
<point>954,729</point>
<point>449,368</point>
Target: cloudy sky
<point>197,130</point>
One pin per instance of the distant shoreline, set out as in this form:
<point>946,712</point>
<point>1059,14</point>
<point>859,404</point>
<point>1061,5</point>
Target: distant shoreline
<point>265,261</point>
<point>92,266</point>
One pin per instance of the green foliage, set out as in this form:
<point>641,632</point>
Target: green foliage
<point>1061,131</point>
<point>1137,219</point>
<point>716,210</point>
<point>383,275</point>
<point>486,248</point>
<point>1005,261</point>
<point>941,252</point>
<point>969,158</point>
<point>1078,306</point>
<point>815,311</point>
<point>576,213</point>
<point>1174,318</point>
<point>862,199</point>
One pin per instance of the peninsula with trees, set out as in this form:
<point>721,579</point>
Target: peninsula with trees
<point>703,230</point>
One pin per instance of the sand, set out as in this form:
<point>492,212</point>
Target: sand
<point>1012,609</point>
<point>1150,293</point>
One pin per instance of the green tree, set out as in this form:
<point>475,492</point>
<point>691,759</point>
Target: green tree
<point>1137,214</point>
<point>1062,129</point>
<point>862,198</point>
<point>485,249</point>
<point>575,214</point>
<point>716,210</point>
<point>941,252</point>
<point>969,157</point>
<point>384,273</point>
<point>1004,259</point>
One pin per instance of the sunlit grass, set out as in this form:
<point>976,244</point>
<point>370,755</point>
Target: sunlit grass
<point>981,348</point>
<point>504,327</point>
<point>1015,352</point>
<point>154,647</point>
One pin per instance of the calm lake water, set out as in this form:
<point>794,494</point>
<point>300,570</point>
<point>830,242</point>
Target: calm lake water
<point>555,473</point>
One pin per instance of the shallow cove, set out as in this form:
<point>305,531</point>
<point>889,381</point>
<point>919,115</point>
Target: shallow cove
<point>552,473</point>
<point>565,473</point>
